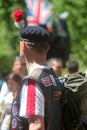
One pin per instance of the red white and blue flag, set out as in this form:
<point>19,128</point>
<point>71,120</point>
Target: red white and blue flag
<point>38,12</point>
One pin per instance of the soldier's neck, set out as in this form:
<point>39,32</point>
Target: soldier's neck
<point>34,65</point>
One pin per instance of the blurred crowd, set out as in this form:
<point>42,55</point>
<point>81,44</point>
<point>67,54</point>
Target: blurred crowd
<point>10,84</point>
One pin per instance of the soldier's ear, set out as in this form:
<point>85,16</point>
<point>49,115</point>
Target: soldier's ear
<point>48,47</point>
<point>21,45</point>
<point>24,46</point>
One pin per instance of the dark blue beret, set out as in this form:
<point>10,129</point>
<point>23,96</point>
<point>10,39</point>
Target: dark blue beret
<point>34,34</point>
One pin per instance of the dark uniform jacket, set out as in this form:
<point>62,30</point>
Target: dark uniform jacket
<point>49,84</point>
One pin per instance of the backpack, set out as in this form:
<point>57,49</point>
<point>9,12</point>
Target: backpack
<point>74,101</point>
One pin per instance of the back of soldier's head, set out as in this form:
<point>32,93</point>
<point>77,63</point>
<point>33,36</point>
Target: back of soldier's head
<point>72,66</point>
<point>36,37</point>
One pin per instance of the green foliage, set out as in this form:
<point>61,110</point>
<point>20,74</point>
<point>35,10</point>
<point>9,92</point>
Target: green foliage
<point>9,34</point>
<point>77,23</point>
<point>6,63</point>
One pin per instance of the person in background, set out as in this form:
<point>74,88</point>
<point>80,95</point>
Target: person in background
<point>19,67</point>
<point>13,82</point>
<point>57,66</point>
<point>72,66</point>
<point>3,88</point>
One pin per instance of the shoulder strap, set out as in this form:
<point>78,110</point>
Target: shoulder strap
<point>34,75</point>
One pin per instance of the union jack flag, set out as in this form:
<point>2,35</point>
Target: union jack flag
<point>38,12</point>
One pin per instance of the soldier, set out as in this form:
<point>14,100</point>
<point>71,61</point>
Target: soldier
<point>36,106</point>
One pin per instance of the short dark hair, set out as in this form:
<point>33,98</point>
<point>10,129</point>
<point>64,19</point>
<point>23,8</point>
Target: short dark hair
<point>51,60</point>
<point>72,66</point>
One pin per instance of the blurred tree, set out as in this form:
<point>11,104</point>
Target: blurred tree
<point>77,23</point>
<point>9,34</point>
